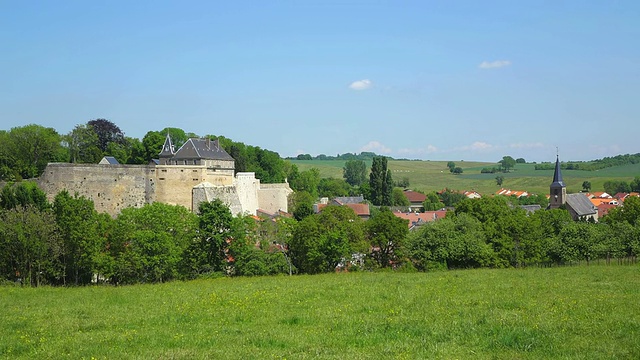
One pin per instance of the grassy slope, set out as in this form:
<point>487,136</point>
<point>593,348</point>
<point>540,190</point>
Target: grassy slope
<point>573,312</point>
<point>434,175</point>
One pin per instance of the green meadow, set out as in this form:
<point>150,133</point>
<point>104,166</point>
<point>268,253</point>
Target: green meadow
<point>580,312</point>
<point>434,175</point>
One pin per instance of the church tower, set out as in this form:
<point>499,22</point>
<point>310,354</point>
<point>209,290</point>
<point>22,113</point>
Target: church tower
<point>558,190</point>
<point>167,151</point>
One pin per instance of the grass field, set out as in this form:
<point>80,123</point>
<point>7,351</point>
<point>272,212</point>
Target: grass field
<point>582,312</point>
<point>434,175</point>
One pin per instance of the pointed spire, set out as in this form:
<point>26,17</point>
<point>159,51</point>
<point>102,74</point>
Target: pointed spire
<point>167,148</point>
<point>557,175</point>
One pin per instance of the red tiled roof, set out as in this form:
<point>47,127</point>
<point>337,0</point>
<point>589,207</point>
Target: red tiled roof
<point>359,209</point>
<point>426,216</point>
<point>414,196</point>
<point>603,209</point>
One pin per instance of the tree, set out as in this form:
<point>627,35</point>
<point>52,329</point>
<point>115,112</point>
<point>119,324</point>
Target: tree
<point>616,186</point>
<point>107,133</point>
<point>355,172</point>
<point>302,204</point>
<point>586,186</point>
<point>217,231</point>
<point>83,145</point>
<point>380,182</point>
<point>521,161</point>
<point>450,197</point>
<point>29,245</point>
<point>330,188</point>
<point>149,244</point>
<point>499,180</point>
<point>635,184</point>
<point>432,202</point>
<point>307,180</point>
<point>323,241</point>
<point>457,170</point>
<point>23,194</point>
<point>451,165</point>
<point>507,163</point>
<point>31,148</point>
<point>399,198</point>
<point>387,234</point>
<point>82,231</point>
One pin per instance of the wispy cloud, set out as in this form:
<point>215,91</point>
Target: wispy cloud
<point>494,64</point>
<point>376,147</point>
<point>361,84</point>
<point>429,149</point>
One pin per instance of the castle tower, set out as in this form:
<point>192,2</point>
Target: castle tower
<point>558,190</point>
<point>167,151</point>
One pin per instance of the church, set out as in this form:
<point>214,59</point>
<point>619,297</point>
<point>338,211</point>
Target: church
<point>578,205</point>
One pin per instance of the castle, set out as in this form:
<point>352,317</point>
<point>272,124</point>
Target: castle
<point>200,170</point>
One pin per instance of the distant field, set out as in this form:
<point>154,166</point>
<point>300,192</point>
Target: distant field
<point>581,312</point>
<point>434,175</point>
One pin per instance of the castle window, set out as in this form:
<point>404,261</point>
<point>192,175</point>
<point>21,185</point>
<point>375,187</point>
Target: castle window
<point>161,179</point>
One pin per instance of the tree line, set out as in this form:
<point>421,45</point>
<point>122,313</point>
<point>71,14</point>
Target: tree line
<point>598,164</point>
<point>27,150</point>
<point>67,242</point>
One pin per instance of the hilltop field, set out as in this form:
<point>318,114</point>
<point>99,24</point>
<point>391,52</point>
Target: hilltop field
<point>434,175</point>
<point>573,312</point>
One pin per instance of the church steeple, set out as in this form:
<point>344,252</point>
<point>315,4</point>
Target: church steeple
<point>167,151</point>
<point>558,190</point>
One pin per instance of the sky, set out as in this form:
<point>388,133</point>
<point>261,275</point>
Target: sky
<point>432,80</point>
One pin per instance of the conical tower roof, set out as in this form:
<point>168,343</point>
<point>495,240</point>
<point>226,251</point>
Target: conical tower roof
<point>167,148</point>
<point>557,175</point>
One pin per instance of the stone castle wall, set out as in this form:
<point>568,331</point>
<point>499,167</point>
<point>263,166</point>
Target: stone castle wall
<point>111,187</point>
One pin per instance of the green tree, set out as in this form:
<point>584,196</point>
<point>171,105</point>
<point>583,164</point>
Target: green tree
<point>24,194</point>
<point>82,231</point>
<point>149,244</point>
<point>457,170</point>
<point>307,180</point>
<point>331,188</point>
<point>432,202</point>
<point>380,182</point>
<point>322,242</point>
<point>220,239</point>
<point>83,144</point>
<point>507,163</point>
<point>31,148</point>
<point>387,234</point>
<point>499,180</point>
<point>399,198</point>
<point>355,172</point>
<point>521,161</point>
<point>586,186</point>
<point>616,186</point>
<point>635,184</point>
<point>451,165</point>
<point>29,245</point>
<point>450,197</point>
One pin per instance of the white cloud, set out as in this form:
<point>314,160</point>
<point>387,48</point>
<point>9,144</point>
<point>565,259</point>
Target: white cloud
<point>479,145</point>
<point>429,149</point>
<point>494,64</point>
<point>361,84</point>
<point>376,147</point>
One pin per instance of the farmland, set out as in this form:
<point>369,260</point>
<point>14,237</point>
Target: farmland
<point>434,175</point>
<point>569,312</point>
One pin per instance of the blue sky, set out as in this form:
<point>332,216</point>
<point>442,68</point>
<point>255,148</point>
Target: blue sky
<point>439,80</point>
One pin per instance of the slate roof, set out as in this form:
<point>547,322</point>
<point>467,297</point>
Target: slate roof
<point>581,204</point>
<point>110,160</point>
<point>343,200</point>
<point>167,148</point>
<point>557,176</point>
<point>201,149</point>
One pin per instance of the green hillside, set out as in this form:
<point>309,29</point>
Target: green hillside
<point>434,175</point>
